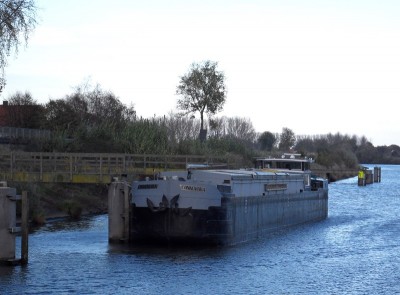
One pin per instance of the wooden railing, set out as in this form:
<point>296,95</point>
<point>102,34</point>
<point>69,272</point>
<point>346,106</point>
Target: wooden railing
<point>102,168</point>
<point>90,168</point>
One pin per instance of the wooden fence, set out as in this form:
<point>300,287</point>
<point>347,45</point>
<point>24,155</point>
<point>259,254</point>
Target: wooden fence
<point>90,168</point>
<point>101,168</point>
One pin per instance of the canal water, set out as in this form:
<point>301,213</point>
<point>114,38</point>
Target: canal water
<point>356,250</point>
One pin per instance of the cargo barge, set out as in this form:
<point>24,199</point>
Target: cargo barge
<point>226,207</point>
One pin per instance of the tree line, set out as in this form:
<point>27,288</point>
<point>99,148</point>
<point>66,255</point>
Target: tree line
<point>91,119</point>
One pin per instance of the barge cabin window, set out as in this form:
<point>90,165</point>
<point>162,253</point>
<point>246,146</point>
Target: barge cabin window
<point>282,164</point>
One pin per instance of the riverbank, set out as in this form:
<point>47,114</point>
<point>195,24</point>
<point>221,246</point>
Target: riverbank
<point>58,200</point>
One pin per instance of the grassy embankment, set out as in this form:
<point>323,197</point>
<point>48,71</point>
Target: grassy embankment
<point>47,201</point>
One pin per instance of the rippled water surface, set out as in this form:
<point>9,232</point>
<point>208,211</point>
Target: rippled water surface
<point>355,251</point>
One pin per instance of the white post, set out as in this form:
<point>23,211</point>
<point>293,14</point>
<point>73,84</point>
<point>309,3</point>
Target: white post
<point>115,211</point>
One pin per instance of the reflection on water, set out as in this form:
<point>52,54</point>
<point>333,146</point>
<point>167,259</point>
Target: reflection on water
<point>64,224</point>
<point>356,250</point>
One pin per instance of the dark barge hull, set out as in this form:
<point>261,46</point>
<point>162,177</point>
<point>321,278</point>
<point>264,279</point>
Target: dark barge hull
<point>237,220</point>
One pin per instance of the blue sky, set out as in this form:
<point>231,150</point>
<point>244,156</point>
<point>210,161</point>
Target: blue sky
<point>316,67</point>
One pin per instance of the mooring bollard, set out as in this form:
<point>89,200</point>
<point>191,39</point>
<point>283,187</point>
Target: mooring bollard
<point>8,228</point>
<point>377,174</point>
<point>369,177</point>
<point>24,227</point>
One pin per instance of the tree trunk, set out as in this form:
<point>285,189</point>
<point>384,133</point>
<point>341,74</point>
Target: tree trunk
<point>203,135</point>
<point>201,120</point>
<point>203,132</point>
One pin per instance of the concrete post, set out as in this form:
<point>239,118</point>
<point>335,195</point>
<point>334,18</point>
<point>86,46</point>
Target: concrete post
<point>7,223</point>
<point>116,201</point>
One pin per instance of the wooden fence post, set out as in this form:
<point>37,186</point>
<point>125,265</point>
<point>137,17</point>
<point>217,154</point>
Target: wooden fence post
<point>24,228</point>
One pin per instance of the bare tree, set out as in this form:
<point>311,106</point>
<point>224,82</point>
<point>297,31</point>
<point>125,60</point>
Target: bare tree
<point>180,128</point>
<point>17,20</point>
<point>240,128</point>
<point>88,107</point>
<point>218,126</point>
<point>23,111</point>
